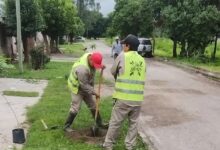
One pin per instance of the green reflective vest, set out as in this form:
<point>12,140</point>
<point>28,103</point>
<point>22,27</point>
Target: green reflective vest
<point>73,82</point>
<point>130,85</point>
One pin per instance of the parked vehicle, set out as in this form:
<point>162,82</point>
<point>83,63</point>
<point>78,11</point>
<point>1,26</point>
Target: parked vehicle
<point>145,47</point>
<point>79,39</point>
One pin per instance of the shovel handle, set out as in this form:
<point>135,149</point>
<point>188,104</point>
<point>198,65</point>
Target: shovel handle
<point>44,124</point>
<point>99,90</point>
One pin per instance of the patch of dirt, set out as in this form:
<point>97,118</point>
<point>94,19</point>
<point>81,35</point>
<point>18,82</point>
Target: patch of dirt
<point>193,91</point>
<point>159,114</point>
<point>86,136</point>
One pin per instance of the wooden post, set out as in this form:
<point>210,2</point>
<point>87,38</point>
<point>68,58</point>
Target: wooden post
<point>19,45</point>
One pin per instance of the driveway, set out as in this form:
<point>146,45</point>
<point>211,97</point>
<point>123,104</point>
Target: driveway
<point>181,109</point>
<point>19,104</point>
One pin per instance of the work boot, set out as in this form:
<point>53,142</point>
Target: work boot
<point>69,122</point>
<point>99,120</point>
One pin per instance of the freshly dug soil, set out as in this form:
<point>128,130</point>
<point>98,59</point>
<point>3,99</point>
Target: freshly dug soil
<point>86,136</point>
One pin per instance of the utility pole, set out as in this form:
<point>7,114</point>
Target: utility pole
<point>19,46</point>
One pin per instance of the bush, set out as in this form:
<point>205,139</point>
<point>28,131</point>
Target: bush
<point>38,58</point>
<point>4,66</point>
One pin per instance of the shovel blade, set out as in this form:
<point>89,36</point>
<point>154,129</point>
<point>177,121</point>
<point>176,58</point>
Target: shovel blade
<point>95,131</point>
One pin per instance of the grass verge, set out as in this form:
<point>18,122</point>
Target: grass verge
<point>53,108</point>
<point>164,49</point>
<point>75,50</point>
<point>52,70</point>
<point>108,41</point>
<point>21,93</point>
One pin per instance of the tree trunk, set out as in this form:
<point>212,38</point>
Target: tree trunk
<point>28,44</point>
<point>26,53</point>
<point>54,45</point>
<point>154,44</point>
<point>47,47</point>
<point>6,43</point>
<point>8,51</point>
<point>214,51</point>
<point>57,43</point>
<point>31,43</point>
<point>52,48</point>
<point>174,48</point>
<point>71,38</point>
<point>183,49</point>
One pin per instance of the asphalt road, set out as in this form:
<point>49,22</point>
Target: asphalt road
<point>181,109</point>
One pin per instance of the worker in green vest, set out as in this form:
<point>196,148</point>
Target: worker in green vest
<point>129,70</point>
<point>81,85</point>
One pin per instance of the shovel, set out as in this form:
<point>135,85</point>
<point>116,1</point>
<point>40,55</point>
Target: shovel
<point>95,128</point>
<point>50,128</point>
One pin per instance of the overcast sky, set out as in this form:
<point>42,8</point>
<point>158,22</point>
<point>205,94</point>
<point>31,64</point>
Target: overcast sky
<point>107,6</point>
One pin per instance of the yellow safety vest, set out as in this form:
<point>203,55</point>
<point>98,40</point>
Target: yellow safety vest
<point>73,82</point>
<point>130,85</point>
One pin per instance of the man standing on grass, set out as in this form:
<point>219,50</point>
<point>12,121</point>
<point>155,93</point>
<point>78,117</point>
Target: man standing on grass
<point>129,70</point>
<point>81,84</point>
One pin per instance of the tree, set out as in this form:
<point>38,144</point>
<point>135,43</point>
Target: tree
<point>193,24</point>
<point>99,26</point>
<point>31,22</point>
<point>87,11</point>
<point>77,28</point>
<point>109,28</point>
<point>146,19</point>
<point>58,17</point>
<point>132,17</point>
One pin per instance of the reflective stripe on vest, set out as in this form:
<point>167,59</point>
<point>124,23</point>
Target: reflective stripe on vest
<point>130,85</point>
<point>73,83</point>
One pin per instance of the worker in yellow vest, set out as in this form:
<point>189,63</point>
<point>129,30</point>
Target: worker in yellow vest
<point>81,85</point>
<point>129,70</point>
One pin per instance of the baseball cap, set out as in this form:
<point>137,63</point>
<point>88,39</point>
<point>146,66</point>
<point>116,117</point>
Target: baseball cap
<point>131,40</point>
<point>96,58</point>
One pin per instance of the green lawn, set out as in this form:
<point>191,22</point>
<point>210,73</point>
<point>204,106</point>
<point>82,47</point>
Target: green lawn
<point>21,93</point>
<point>52,70</point>
<point>164,47</point>
<point>75,49</point>
<point>53,108</point>
<point>108,41</point>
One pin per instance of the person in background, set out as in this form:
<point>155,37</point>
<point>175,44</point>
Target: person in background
<point>116,48</point>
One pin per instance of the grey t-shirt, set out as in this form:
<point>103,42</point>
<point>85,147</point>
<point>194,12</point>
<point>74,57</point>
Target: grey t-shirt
<point>86,79</point>
<point>117,48</point>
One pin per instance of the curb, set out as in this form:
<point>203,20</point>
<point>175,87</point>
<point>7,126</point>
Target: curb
<point>208,74</point>
<point>144,133</point>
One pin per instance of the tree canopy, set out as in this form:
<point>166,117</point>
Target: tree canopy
<point>132,17</point>
<point>191,23</point>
